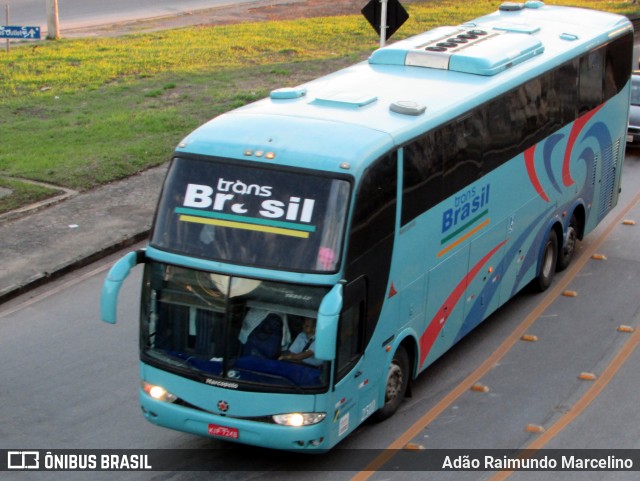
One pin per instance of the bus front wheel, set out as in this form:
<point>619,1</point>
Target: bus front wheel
<point>548,262</point>
<point>396,385</point>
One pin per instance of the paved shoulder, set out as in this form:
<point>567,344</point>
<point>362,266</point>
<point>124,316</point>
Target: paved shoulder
<point>49,242</point>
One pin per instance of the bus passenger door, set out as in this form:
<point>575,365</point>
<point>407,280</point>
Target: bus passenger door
<point>512,261</point>
<point>351,378</point>
<point>483,291</point>
<point>445,307</point>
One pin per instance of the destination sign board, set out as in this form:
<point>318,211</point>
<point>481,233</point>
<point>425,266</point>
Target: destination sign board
<point>16,32</point>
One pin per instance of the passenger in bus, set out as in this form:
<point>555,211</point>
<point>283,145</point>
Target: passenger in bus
<point>301,348</point>
<point>263,333</point>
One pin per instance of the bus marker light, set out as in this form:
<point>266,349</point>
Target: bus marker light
<point>345,165</point>
<point>529,337</point>
<point>570,294</point>
<point>599,257</point>
<point>629,222</point>
<point>270,155</point>
<point>248,153</point>
<point>587,376</point>
<point>624,328</point>
<point>407,107</point>
<point>480,388</point>
<point>534,428</point>
<point>387,349</point>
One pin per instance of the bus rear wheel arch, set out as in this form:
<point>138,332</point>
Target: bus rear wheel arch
<point>396,385</point>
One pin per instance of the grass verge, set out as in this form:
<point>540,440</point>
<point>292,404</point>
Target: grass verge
<point>80,113</point>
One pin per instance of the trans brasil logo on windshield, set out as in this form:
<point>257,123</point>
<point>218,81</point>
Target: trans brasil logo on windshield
<point>237,205</point>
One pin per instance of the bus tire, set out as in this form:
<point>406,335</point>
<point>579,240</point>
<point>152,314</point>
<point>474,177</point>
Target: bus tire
<point>396,385</point>
<point>569,248</point>
<point>548,262</point>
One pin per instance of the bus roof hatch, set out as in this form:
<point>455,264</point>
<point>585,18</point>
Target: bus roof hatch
<point>460,49</point>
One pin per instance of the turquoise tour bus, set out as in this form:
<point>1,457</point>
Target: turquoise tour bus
<point>316,250</point>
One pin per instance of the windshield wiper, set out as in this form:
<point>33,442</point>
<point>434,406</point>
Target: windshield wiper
<point>298,388</point>
<point>175,360</point>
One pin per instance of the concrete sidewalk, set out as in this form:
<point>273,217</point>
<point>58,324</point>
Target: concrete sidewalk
<point>40,245</point>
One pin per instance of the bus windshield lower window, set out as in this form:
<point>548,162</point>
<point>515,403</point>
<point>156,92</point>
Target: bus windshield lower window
<point>250,332</point>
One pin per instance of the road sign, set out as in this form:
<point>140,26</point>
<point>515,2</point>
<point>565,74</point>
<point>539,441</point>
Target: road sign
<point>390,12</point>
<point>19,33</point>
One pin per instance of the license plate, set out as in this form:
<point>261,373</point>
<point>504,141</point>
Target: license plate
<point>223,431</point>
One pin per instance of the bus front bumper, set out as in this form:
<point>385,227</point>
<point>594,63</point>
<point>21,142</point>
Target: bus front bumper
<point>255,433</point>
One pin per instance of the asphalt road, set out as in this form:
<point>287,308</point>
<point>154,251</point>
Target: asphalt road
<point>84,13</point>
<point>68,381</point>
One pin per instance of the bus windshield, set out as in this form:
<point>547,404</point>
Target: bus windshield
<point>252,215</point>
<point>231,331</point>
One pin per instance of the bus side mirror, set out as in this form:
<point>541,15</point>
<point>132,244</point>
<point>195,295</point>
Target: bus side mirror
<point>327,324</point>
<point>113,283</point>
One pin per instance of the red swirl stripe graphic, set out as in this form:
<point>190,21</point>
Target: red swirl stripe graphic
<point>577,127</point>
<point>437,323</point>
<point>529,161</point>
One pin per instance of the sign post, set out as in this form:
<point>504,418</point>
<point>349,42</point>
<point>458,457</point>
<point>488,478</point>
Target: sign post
<point>24,33</point>
<point>7,23</point>
<point>383,22</point>
<point>385,16</point>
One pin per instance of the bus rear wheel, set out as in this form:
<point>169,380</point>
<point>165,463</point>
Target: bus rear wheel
<point>396,385</point>
<point>548,262</point>
<point>569,249</point>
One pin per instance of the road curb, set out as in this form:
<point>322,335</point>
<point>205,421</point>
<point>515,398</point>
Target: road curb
<point>43,278</point>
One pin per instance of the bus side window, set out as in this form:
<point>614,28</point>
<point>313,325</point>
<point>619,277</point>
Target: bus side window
<point>349,339</point>
<point>462,143</point>
<point>591,75</point>
<point>372,233</point>
<point>421,178</point>
<point>375,207</point>
<point>497,145</point>
<point>617,68</point>
<point>563,94</point>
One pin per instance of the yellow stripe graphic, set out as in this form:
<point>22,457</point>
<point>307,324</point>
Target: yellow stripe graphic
<point>241,225</point>
<point>464,237</point>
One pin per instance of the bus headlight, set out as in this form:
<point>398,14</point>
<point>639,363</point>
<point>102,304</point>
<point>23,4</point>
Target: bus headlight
<point>158,392</point>
<point>298,419</point>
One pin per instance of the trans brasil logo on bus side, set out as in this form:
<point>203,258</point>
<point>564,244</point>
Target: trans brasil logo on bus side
<point>469,207</point>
